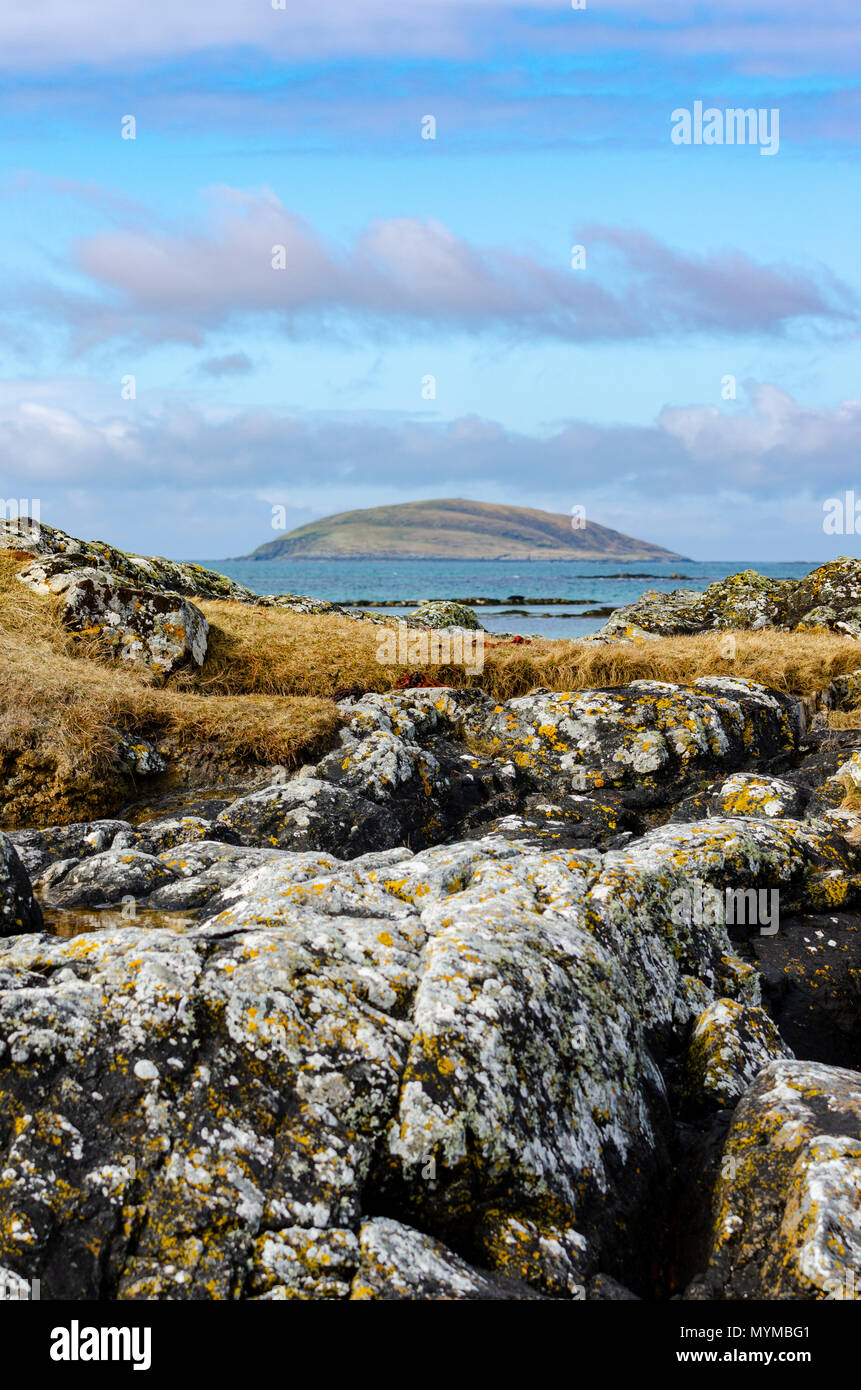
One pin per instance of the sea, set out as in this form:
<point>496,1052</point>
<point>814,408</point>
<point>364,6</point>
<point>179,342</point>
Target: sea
<point>583,585</point>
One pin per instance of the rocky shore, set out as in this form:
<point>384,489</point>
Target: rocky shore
<point>449,1012</point>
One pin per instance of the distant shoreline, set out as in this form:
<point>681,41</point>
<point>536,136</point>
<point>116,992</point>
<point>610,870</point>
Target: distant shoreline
<point>464,559</point>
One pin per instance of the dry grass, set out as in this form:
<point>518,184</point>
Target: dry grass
<point>61,704</point>
<point>277,652</point>
<point>844,719</point>
<point>267,691</point>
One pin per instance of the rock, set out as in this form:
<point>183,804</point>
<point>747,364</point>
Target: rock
<point>152,572</point>
<point>134,623</point>
<point>828,597</point>
<point>308,813</point>
<point>19,911</point>
<point>656,614</point>
<point>444,613</point>
<point>844,692</point>
<point>787,1199</point>
<point>322,1033</point>
<point>417,714</point>
<point>301,603</point>
<point>205,868</point>
<point>103,878</point>
<point>156,836</point>
<point>605,1289</point>
<point>140,756</point>
<point>730,1044</point>
<point>447,1020</point>
<point>379,766</point>
<point>304,1262</point>
<point>399,1263</point>
<point>849,773</point>
<point>646,739</point>
<point>752,794</point>
<point>39,848</point>
<point>834,587</point>
<point>811,982</point>
<point>551,1257</point>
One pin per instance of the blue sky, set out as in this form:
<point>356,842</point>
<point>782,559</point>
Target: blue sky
<point>603,386</point>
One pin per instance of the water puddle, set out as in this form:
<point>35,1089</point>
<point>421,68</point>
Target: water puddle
<point>75,921</point>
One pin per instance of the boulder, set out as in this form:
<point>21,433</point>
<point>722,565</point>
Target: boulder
<point>730,1044</point>
<point>828,597</point>
<point>438,613</point>
<point>152,572</point>
<point>754,794</point>
<point>461,1033</point>
<point>102,878</point>
<point>648,740</point>
<point>135,624</point>
<point>397,1263</point>
<point>787,1199</point>
<point>309,813</point>
<point>39,848</point>
<point>19,911</point>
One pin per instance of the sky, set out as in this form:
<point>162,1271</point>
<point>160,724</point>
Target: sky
<point>267,261</point>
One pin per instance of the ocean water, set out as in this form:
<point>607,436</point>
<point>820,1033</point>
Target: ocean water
<point>583,584</point>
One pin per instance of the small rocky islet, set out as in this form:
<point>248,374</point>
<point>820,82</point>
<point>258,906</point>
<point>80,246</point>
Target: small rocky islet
<point>422,1019</point>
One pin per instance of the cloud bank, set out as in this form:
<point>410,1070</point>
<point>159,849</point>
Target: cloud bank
<point>258,258</point>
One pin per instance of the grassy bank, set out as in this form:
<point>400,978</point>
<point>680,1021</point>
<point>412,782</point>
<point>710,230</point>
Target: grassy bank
<point>272,651</point>
<point>61,704</point>
<point>267,692</point>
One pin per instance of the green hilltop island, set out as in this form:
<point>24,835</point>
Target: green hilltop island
<point>457,529</point>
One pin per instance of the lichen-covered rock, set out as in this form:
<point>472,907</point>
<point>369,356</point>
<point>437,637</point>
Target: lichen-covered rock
<point>522,1043</point>
<point>730,1044</point>
<point>168,576</point>
<point>309,813</point>
<point>835,586</point>
<point>551,1257</point>
<point>753,794</point>
<point>107,877</point>
<point>39,848</point>
<point>416,714</point>
<point>811,980</point>
<point>849,773</point>
<point>444,613</point>
<point>156,836</point>
<point>134,623</point>
<point>398,1263</point>
<point>139,755</point>
<point>647,738</point>
<point>828,597</point>
<point>301,603</point>
<point>845,691</point>
<point>303,1262</point>
<point>203,868</point>
<point>475,1032</point>
<point>379,765</point>
<point>787,1201</point>
<point>19,911</point>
